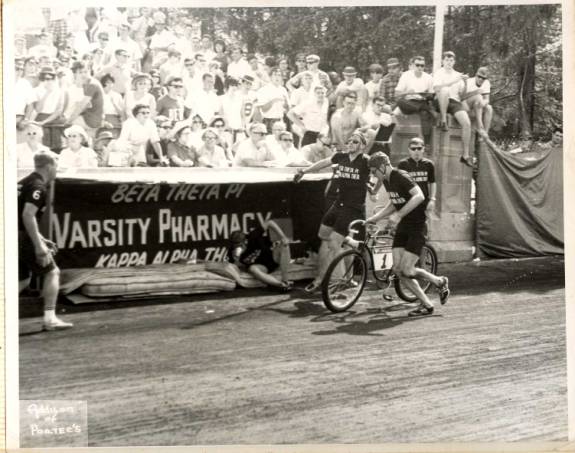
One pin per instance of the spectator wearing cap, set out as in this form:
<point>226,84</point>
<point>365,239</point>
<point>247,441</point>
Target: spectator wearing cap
<point>121,70</point>
<point>205,102</point>
<point>373,87</point>
<point>26,150</point>
<point>389,82</point>
<point>136,132</point>
<point>101,147</point>
<point>48,106</point>
<point>319,77</point>
<point>351,83</point>
<point>476,98</point>
<point>114,108</point>
<point>253,151</point>
<point>173,66</point>
<point>88,111</point>
<point>124,41</point>
<point>180,152</point>
<point>211,154</point>
<point>220,54</point>
<point>346,120</point>
<point>77,153</point>
<point>140,94</point>
<point>449,85</point>
<point>172,104</point>
<point>45,47</point>
<point>238,106</point>
<point>164,126</point>
<point>161,40</point>
<point>311,116</point>
<point>272,99</point>
<point>238,66</point>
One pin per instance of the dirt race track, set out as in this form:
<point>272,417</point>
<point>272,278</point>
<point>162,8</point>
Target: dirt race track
<point>257,367</point>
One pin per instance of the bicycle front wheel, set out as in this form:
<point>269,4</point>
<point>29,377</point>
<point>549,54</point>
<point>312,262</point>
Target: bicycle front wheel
<point>427,261</point>
<point>344,281</point>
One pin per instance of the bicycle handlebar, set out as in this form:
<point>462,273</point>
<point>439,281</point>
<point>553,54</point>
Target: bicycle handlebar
<point>371,228</point>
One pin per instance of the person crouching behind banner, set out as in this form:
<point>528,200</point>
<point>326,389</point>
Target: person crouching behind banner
<point>256,253</point>
<point>36,253</point>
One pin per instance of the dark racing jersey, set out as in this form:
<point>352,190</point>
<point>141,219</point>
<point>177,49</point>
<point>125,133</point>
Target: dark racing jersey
<point>398,187</point>
<point>351,178</point>
<point>422,173</point>
<point>31,189</point>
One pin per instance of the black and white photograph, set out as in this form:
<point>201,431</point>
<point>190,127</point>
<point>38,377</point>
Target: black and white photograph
<point>283,224</point>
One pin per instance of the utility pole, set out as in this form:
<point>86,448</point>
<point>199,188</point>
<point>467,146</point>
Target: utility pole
<point>440,10</point>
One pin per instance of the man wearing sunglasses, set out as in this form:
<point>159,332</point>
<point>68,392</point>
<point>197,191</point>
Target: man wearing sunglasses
<point>351,178</point>
<point>406,215</point>
<point>476,98</point>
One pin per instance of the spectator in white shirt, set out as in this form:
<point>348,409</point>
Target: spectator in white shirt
<point>49,104</point>
<point>414,89</point>
<point>449,86</point>
<point>273,99</point>
<point>311,115</point>
<point>136,132</point>
<point>77,154</point>
<point>44,47</point>
<point>373,87</point>
<point>289,155</point>
<point>205,102</point>
<point>125,42</point>
<point>238,106</point>
<point>253,152</point>
<point>273,140</point>
<point>351,83</point>
<point>476,98</point>
<point>25,151</point>
<point>238,66</point>
<point>114,113</point>
<point>211,154</point>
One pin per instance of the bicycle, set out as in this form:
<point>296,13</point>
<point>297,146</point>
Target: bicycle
<point>346,275</point>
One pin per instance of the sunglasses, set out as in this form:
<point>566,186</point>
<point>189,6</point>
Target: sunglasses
<point>287,140</point>
<point>354,142</point>
<point>144,112</point>
<point>416,148</point>
<point>218,125</point>
<point>73,136</point>
<point>420,65</point>
<point>177,86</point>
<point>196,122</point>
<point>259,133</point>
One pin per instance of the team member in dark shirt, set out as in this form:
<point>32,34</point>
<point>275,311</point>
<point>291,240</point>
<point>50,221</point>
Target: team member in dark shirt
<point>421,171</point>
<point>351,178</point>
<point>36,252</point>
<point>406,214</point>
<point>260,256</point>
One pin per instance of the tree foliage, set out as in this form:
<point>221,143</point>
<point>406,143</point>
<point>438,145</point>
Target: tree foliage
<point>520,44</point>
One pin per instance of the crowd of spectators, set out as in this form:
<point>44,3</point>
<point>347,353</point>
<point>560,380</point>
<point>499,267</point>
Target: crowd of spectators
<point>134,87</point>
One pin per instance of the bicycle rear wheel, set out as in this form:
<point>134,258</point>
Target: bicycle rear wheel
<point>427,261</point>
<point>344,281</point>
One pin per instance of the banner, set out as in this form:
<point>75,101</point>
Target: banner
<point>119,224</point>
<point>520,204</point>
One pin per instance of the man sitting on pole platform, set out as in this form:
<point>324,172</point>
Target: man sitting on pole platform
<point>406,215</point>
<point>352,176</point>
<point>449,85</point>
<point>476,98</point>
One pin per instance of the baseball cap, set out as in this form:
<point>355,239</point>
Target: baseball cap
<point>392,62</point>
<point>312,58</point>
<point>349,70</point>
<point>483,72</point>
<point>105,135</point>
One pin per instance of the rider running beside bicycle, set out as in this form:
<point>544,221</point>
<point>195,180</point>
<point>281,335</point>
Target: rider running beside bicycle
<point>406,214</point>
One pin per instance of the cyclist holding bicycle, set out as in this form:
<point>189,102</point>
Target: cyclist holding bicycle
<point>406,214</point>
<point>351,178</point>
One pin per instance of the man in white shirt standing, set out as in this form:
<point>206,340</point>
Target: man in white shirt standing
<point>273,99</point>
<point>238,66</point>
<point>449,85</point>
<point>205,102</point>
<point>311,116</point>
<point>238,106</point>
<point>476,98</point>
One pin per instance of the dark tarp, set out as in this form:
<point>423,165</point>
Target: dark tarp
<point>520,203</point>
